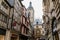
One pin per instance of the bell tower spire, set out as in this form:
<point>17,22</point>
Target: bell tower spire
<point>30,4</point>
<point>30,12</point>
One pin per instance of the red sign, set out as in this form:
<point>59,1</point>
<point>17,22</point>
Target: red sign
<point>14,23</point>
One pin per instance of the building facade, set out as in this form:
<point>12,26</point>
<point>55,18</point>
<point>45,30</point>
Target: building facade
<point>51,15</point>
<point>25,29</point>
<point>15,20</point>
<point>4,18</point>
<point>30,11</point>
<point>14,24</point>
<point>38,31</point>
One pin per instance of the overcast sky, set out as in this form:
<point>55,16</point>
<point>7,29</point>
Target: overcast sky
<point>37,5</point>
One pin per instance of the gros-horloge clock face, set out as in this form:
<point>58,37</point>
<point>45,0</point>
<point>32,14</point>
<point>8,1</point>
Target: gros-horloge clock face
<point>38,32</point>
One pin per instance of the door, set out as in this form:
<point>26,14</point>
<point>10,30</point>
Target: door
<point>2,37</point>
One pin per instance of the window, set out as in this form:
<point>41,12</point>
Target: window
<point>23,20</point>
<point>4,5</point>
<point>23,29</point>
<point>0,16</point>
<point>28,14</point>
<point>53,0</point>
<point>54,24</point>
<point>5,19</point>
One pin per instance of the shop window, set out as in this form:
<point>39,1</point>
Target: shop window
<point>2,37</point>
<point>22,29</point>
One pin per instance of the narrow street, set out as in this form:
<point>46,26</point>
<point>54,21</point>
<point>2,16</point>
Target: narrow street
<point>29,19</point>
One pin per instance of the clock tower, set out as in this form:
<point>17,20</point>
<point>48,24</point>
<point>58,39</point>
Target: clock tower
<point>30,12</point>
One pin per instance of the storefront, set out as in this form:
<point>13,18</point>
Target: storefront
<point>23,37</point>
<point>14,35</point>
<point>2,37</point>
<point>2,34</point>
